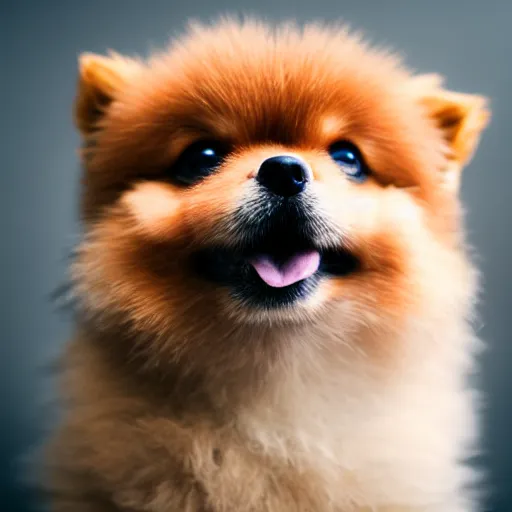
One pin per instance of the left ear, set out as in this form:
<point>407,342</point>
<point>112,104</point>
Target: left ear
<point>100,80</point>
<point>461,118</point>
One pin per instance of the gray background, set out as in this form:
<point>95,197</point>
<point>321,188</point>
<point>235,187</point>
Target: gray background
<point>469,41</point>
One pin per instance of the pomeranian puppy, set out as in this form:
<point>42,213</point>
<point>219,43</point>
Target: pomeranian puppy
<point>274,294</point>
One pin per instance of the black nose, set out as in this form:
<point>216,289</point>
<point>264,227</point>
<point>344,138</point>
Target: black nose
<point>284,175</point>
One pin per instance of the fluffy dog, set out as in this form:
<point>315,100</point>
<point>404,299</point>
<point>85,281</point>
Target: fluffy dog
<point>274,294</point>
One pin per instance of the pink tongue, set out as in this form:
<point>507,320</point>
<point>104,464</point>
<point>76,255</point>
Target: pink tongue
<point>298,267</point>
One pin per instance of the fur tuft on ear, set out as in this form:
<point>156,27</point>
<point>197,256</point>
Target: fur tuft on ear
<point>461,118</point>
<point>100,80</point>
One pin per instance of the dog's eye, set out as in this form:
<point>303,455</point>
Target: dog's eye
<point>198,161</point>
<point>349,158</point>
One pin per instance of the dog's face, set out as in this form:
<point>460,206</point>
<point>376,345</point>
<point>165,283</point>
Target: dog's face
<point>251,178</point>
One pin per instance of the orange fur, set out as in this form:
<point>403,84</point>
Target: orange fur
<point>179,397</point>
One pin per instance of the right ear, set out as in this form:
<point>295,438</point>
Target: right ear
<point>100,80</point>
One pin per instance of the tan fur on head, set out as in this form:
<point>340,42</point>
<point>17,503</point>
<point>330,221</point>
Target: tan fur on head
<point>181,393</point>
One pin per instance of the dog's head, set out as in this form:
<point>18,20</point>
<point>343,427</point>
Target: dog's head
<point>272,179</point>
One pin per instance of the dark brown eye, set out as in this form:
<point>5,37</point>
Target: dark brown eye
<point>198,161</point>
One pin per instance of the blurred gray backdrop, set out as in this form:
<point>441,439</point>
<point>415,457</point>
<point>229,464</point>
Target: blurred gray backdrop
<point>468,41</point>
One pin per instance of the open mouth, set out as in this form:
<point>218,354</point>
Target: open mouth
<point>279,274</point>
<point>274,271</point>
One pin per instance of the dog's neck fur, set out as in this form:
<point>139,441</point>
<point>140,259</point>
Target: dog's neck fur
<point>342,416</point>
<point>337,413</point>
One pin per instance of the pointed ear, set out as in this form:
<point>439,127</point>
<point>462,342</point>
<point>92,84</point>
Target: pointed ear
<point>461,118</point>
<point>100,80</point>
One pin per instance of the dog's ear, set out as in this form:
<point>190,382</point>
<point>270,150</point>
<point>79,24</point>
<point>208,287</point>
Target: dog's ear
<point>461,118</point>
<point>100,80</point>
